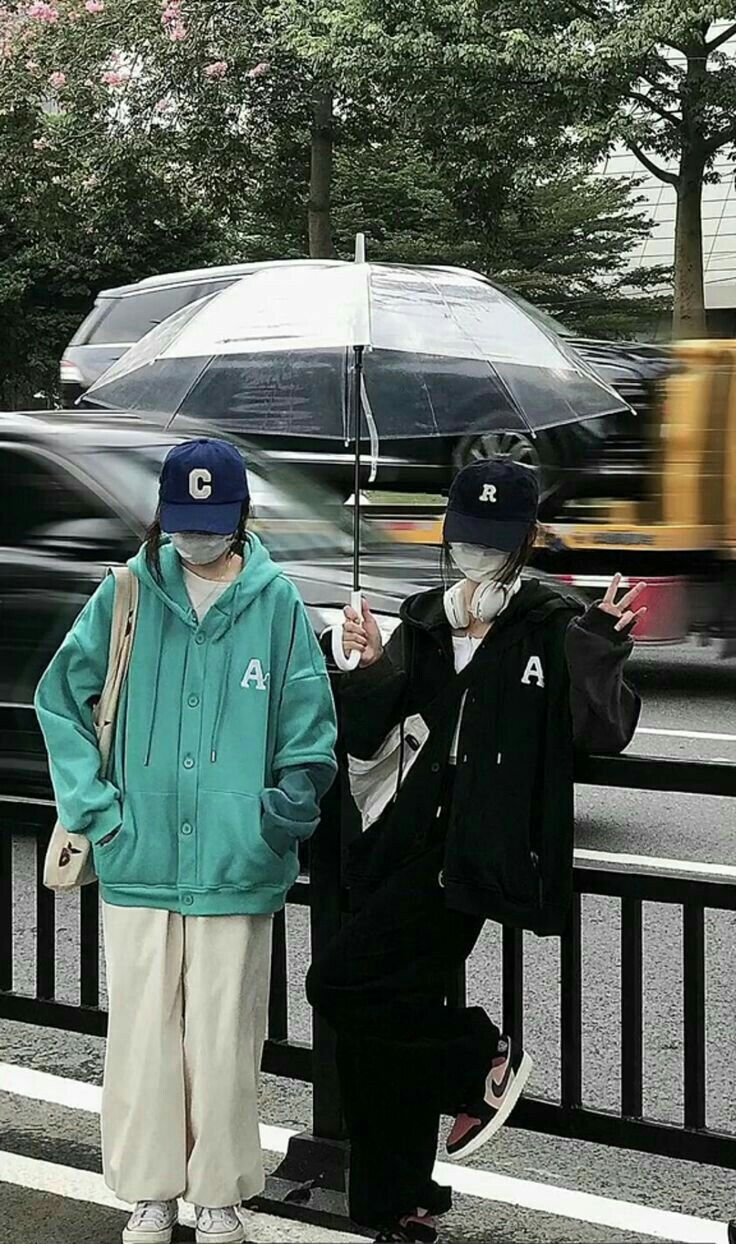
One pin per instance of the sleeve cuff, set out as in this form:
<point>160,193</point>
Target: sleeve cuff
<point>596,622</point>
<point>370,676</point>
<point>103,823</point>
<point>289,812</point>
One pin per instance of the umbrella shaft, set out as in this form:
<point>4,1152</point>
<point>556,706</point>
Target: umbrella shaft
<point>356,395</point>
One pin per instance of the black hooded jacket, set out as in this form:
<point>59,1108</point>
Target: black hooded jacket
<point>547,678</point>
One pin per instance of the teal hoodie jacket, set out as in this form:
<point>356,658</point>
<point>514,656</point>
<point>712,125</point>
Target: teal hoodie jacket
<point>224,741</point>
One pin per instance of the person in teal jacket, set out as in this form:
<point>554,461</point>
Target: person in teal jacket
<point>224,746</point>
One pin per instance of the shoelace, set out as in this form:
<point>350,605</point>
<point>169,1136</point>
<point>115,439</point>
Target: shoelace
<point>151,1214</point>
<point>217,1219</point>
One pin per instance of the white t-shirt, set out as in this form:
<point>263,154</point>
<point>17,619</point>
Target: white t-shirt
<point>464,648</point>
<point>203,592</point>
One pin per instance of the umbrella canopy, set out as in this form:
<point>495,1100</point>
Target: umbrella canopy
<point>445,351</point>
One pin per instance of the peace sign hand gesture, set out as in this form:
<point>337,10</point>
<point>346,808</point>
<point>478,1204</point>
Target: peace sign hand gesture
<point>627,617</point>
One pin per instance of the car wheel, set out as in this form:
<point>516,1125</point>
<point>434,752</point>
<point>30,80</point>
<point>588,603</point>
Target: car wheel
<point>515,445</point>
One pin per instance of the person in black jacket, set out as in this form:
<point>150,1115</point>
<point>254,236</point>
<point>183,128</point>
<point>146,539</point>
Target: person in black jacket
<point>509,676</point>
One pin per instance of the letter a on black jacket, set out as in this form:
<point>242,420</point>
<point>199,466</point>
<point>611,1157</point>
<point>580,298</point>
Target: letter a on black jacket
<point>548,678</point>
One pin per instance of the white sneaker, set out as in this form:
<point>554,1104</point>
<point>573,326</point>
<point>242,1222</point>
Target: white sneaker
<point>152,1222</point>
<point>222,1226</point>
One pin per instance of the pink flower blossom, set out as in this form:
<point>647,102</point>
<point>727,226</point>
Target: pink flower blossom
<point>95,6</point>
<point>40,11</point>
<point>57,80</point>
<point>260,70</point>
<point>177,32</point>
<point>113,77</point>
<point>163,106</point>
<point>217,69</point>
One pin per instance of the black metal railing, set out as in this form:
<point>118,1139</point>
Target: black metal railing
<point>320,889</point>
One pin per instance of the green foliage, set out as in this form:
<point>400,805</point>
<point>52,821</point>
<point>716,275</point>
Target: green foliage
<point>137,137</point>
<point>655,75</point>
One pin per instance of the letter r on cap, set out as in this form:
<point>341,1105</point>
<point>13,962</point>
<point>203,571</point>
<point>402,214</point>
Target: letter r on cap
<point>200,484</point>
<point>488,493</point>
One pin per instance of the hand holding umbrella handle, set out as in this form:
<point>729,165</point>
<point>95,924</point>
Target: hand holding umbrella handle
<point>350,662</point>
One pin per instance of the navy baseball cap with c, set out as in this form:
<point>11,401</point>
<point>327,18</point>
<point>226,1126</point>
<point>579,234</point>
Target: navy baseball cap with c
<point>202,488</point>
<point>492,503</point>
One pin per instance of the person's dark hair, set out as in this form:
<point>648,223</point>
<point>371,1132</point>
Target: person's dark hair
<point>155,536</point>
<point>510,570</point>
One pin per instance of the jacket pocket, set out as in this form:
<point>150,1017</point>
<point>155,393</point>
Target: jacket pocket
<point>232,849</point>
<point>143,852</point>
<point>494,852</point>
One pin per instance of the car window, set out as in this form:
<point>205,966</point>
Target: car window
<point>550,322</point>
<point>37,493</point>
<point>86,329</point>
<point>295,518</point>
<point>128,318</point>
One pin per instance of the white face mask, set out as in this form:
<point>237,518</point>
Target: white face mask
<point>477,562</point>
<point>200,547</point>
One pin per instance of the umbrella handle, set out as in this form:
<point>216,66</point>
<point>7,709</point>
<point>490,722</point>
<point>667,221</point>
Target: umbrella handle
<point>351,662</point>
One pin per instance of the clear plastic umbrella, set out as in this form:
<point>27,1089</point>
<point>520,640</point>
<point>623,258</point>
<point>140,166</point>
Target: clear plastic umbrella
<point>313,347</point>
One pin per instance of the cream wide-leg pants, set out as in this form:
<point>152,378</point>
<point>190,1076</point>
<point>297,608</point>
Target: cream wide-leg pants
<point>188,1004</point>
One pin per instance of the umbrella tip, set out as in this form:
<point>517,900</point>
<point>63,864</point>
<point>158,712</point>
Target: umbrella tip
<point>360,248</point>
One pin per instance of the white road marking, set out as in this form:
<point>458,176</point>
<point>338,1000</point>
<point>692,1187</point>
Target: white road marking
<point>687,734</point>
<point>504,1189</point>
<point>583,1206</point>
<point>76,1185</point>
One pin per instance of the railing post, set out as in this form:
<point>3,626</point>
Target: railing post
<point>310,1183</point>
<point>278,999</point>
<point>6,909</point>
<point>45,929</point>
<point>693,936</point>
<point>513,983</point>
<point>571,1054</point>
<point>632,1098</point>
<point>325,919</point>
<point>89,946</point>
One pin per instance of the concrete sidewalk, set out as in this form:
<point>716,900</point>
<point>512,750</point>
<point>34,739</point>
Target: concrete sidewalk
<point>525,1189</point>
<point>30,1217</point>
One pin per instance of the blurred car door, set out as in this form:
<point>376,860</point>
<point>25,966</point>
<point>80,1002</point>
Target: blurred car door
<point>56,538</point>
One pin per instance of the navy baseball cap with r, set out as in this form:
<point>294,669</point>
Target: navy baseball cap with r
<point>202,488</point>
<point>492,503</point>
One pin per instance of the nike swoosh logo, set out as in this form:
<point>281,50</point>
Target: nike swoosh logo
<point>498,1090</point>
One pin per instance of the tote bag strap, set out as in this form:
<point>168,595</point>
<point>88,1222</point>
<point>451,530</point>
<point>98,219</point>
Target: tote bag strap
<point>122,633</point>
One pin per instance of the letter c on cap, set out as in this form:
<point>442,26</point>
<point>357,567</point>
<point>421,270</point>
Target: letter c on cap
<point>200,484</point>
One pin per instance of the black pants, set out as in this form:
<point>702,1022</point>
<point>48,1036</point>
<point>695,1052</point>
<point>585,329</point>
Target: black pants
<point>404,1057</point>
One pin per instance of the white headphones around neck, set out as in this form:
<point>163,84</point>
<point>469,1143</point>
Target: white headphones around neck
<point>486,603</point>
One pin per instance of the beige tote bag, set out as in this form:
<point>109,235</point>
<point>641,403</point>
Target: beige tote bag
<point>68,861</point>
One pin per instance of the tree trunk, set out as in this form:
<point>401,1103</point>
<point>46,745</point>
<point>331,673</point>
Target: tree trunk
<point>688,318</point>
<point>320,178</point>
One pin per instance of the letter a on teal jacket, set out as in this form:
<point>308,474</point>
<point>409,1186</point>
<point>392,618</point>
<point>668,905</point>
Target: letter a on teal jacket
<point>224,743</point>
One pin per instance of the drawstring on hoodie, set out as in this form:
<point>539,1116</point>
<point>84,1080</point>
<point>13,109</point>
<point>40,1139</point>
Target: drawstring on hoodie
<point>156,682</point>
<point>223,689</point>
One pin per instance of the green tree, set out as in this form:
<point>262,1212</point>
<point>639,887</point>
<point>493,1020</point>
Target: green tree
<point>562,239</point>
<point>655,75</point>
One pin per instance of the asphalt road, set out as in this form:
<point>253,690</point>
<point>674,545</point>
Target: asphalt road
<point>685,691</point>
